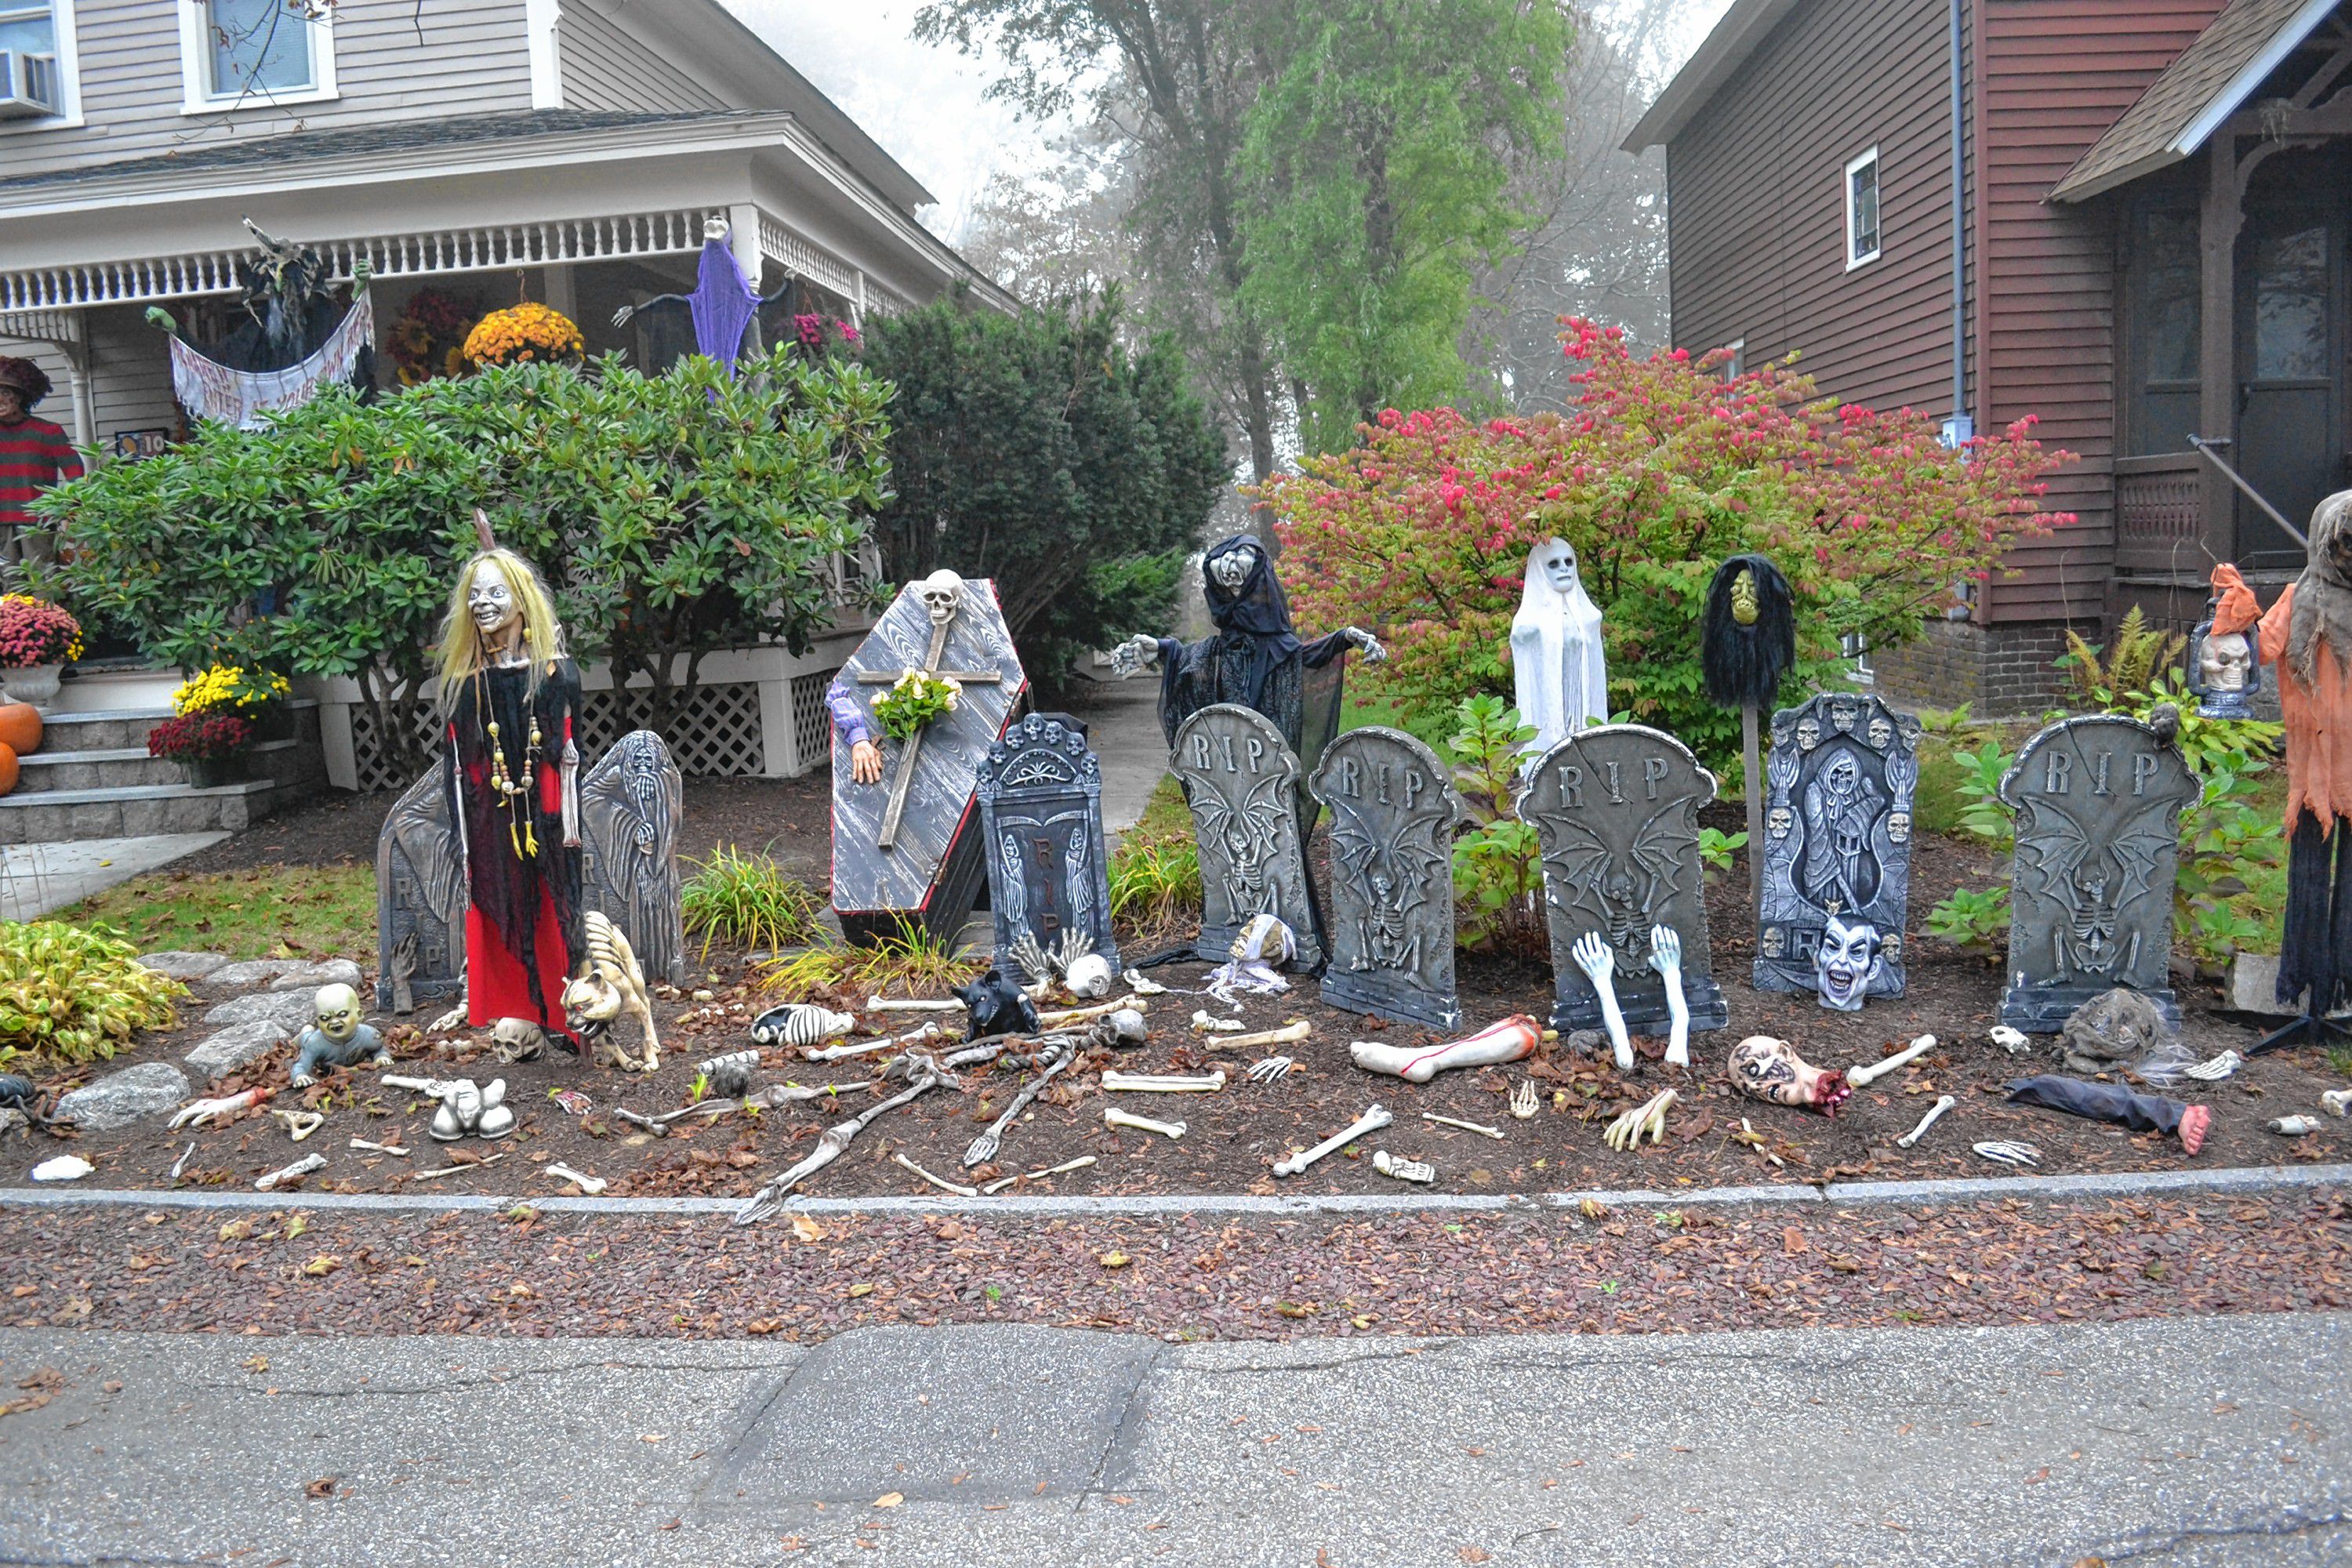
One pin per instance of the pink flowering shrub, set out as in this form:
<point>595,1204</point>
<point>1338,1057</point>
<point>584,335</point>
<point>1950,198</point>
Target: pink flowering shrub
<point>1660,470</point>
<point>33,631</point>
<point>820,335</point>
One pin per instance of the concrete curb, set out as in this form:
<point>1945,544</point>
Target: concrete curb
<point>2240,1181</point>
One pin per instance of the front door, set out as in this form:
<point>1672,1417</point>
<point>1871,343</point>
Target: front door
<point>2291,352</point>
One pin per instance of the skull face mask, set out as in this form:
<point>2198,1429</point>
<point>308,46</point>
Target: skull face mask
<point>1233,568</point>
<point>336,1010</point>
<point>1743,598</point>
<point>942,596</point>
<point>1771,1069</point>
<point>1848,961</point>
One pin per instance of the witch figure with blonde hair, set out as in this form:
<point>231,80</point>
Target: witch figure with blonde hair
<point>510,709</point>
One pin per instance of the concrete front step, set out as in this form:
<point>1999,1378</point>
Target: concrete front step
<point>125,767</point>
<point>53,816</point>
<point>106,729</point>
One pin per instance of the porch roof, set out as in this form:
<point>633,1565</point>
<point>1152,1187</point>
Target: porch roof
<point>2195,94</point>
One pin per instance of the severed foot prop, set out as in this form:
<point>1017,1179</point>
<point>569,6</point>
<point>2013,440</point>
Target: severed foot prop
<point>1594,956</point>
<point>1666,958</point>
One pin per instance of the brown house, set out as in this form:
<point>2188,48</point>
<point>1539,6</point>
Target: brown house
<point>2127,217</point>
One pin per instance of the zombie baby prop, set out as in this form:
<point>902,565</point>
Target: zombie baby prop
<point>1748,639</point>
<point>1765,1068</point>
<point>1837,844</point>
<point>2114,1102</point>
<point>1392,816</point>
<point>2098,802</point>
<point>1255,659</point>
<point>1048,881</point>
<point>906,837</point>
<point>336,1037</point>
<point>1615,809</point>
<point>1559,669</point>
<point>2223,671</point>
<point>1242,782</point>
<point>2308,635</point>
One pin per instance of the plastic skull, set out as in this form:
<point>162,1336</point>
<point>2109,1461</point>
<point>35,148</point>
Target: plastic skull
<point>1089,976</point>
<point>2224,661</point>
<point>336,1009</point>
<point>1848,960</point>
<point>517,1039</point>
<point>715,227</point>
<point>1765,1068</point>
<point>942,596</point>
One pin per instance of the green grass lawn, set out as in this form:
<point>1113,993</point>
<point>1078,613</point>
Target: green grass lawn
<point>308,909</point>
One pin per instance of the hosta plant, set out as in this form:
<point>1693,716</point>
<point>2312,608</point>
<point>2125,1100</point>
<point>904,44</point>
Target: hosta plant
<point>71,994</point>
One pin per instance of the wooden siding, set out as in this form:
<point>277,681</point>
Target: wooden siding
<point>605,66</point>
<point>474,59</point>
<point>2057,74</point>
<point>1756,213</point>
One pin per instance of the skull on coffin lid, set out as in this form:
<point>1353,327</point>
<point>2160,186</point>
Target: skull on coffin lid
<point>942,596</point>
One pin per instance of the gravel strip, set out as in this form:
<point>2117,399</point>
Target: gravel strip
<point>306,1269</point>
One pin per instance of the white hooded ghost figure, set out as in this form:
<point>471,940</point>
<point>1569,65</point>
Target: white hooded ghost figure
<point>1556,663</point>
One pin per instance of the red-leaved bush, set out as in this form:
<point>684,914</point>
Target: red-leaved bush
<point>199,738</point>
<point>1661,470</point>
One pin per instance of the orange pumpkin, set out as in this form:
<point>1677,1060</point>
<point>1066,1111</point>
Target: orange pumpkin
<point>8,769</point>
<point>20,728</point>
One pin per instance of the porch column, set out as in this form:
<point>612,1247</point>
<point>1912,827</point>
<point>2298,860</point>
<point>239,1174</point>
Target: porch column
<point>561,288</point>
<point>2217,359</point>
<point>743,239</point>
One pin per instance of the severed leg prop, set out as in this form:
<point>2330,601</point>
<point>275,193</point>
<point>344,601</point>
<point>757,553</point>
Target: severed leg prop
<point>1592,957</point>
<point>1666,958</point>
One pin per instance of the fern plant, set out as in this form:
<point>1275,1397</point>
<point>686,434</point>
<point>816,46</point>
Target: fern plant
<point>2139,653</point>
<point>1499,864</point>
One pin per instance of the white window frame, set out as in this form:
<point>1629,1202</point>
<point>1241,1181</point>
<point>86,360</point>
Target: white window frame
<point>196,64</point>
<point>1736,365</point>
<point>69,115</point>
<point>1856,165</point>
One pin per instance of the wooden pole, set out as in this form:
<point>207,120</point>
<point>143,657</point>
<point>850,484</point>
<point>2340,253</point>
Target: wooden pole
<point>1752,777</point>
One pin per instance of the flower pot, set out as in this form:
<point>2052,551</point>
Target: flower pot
<point>33,683</point>
<point>212,772</point>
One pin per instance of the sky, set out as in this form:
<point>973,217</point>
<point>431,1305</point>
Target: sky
<point>926,105</point>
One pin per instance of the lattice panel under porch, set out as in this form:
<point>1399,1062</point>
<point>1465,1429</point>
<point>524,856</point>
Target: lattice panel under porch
<point>717,736</point>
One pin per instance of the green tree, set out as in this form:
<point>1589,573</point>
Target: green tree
<point>1037,450</point>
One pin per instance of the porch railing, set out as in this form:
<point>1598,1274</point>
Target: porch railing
<point>2159,514</point>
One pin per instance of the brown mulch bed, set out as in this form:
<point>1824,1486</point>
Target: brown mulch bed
<point>1184,1278</point>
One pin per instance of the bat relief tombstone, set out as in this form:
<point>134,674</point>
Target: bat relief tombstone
<point>1837,843</point>
<point>907,847</point>
<point>1040,815</point>
<point>1242,783</point>
<point>2098,802</point>
<point>1615,809</point>
<point>420,900</point>
<point>1391,925</point>
<point>632,805</point>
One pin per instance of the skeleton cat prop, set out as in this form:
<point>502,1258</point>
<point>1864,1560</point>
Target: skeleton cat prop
<point>609,985</point>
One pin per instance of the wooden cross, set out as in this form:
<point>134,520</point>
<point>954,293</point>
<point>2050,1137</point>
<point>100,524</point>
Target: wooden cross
<point>914,747</point>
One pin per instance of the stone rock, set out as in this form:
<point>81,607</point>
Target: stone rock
<point>2253,985</point>
<point>218,1055</point>
<point>12,1118</point>
<point>310,977</point>
<point>184,965</point>
<point>290,1008</point>
<point>119,1099</point>
<point>248,973</point>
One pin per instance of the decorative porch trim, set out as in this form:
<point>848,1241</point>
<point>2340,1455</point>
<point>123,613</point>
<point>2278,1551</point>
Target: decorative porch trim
<point>803,260</point>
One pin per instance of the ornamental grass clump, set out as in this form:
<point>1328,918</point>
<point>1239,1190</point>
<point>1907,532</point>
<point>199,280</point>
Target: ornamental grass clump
<point>750,901</point>
<point>71,994</point>
<point>35,632</point>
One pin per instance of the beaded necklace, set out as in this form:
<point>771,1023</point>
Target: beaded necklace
<point>519,830</point>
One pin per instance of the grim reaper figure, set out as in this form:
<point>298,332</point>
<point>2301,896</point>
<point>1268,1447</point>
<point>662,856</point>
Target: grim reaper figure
<point>1841,806</point>
<point>1256,659</point>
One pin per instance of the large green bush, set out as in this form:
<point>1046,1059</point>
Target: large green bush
<point>671,514</point>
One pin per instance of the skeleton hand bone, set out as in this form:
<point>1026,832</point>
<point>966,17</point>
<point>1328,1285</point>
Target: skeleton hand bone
<point>1594,957</point>
<point>1366,643</point>
<point>1666,958</point>
<point>196,1113</point>
<point>1132,656</point>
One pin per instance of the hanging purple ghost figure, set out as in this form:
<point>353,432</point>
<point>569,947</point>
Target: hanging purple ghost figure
<point>723,302</point>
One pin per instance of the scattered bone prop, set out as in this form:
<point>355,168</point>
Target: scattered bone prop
<point>958,1188</point>
<point>2213,1069</point>
<point>929,1031</point>
<point>1274,1070</point>
<point>1645,1120</point>
<point>926,1074</point>
<point>1114,1117</point>
<point>295,1172</point>
<point>2014,1041</point>
<point>1512,1039</point>
<point>591,1186</point>
<point>67,1168</point>
<point>1371,1121</point>
<point>1752,1139</point>
<point>1388,1165</point>
<point>2008,1154</point>
<point>1523,1100</point>
<point>1493,1133</point>
<point>730,1074</point>
<point>1666,958</point>
<point>2294,1126</point>
<point>1202,1024</point>
<point>1068,1016</point>
<point>1064,1169</point>
<point>571,1101</point>
<point>300,1124</point>
<point>2114,1102</point>
<point>378,1148</point>
<point>198,1112</point>
<point>1765,1068</point>
<point>1871,1072</point>
<point>1290,1034</point>
<point>2336,1101</point>
<point>181,1163</point>
<point>1594,956</point>
<point>884,1004</point>
<point>984,1148</point>
<point>466,1106</point>
<point>1143,985</point>
<point>801,1024</point>
<point>439,1172</point>
<point>1162,1083</point>
<point>1942,1105</point>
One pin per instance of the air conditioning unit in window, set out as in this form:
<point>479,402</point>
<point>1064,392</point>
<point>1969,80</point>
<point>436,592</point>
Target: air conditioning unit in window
<point>28,85</point>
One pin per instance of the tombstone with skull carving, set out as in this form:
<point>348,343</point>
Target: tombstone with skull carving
<point>1837,849</point>
<point>906,835</point>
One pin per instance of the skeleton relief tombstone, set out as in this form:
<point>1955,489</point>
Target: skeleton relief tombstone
<point>630,806</point>
<point>2098,804</point>
<point>1615,809</point>
<point>420,900</point>
<point>1837,842</point>
<point>1242,783</point>
<point>1040,815</point>
<point>1391,925</point>
<point>906,840</point>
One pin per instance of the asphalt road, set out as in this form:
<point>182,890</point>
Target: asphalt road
<point>2194,1441</point>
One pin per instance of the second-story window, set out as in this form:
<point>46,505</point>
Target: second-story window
<point>1862,210</point>
<point>29,83</point>
<point>255,51</point>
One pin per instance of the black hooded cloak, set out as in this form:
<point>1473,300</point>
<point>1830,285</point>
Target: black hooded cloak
<point>1255,659</point>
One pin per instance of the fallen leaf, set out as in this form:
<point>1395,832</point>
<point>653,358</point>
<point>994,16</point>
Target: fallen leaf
<point>1475,1554</point>
<point>1114,1260</point>
<point>319,1268</point>
<point>861,1289</point>
<point>889,1499</point>
<point>256,1364</point>
<point>237,1230</point>
<point>323,1487</point>
<point>1792,1242</point>
<point>806,1229</point>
